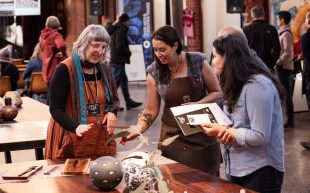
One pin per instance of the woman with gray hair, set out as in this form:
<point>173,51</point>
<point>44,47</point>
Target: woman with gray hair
<point>83,100</point>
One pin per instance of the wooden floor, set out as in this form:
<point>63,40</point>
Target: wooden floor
<point>297,159</point>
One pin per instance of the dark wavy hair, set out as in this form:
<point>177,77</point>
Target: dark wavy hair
<point>168,35</point>
<point>239,67</point>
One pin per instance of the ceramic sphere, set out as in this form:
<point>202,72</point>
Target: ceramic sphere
<point>135,172</point>
<point>106,172</point>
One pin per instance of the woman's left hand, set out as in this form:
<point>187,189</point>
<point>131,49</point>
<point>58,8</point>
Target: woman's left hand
<point>226,135</point>
<point>110,118</point>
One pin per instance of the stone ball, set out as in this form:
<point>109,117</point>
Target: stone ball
<point>106,172</point>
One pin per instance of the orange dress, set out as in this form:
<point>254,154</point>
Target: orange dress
<point>61,143</point>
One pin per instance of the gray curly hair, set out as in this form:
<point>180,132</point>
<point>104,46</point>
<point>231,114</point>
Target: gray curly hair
<point>92,33</point>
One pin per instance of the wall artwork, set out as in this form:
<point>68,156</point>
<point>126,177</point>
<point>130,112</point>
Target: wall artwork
<point>298,11</point>
<point>140,31</point>
<point>19,7</point>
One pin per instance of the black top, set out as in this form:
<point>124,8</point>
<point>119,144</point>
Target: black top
<point>59,91</point>
<point>305,49</point>
<point>120,53</point>
<point>10,70</point>
<point>264,39</point>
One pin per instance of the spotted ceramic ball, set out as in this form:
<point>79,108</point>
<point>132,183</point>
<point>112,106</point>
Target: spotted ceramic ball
<point>106,172</point>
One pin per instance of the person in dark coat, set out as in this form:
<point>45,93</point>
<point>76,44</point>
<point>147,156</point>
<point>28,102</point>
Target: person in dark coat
<point>263,37</point>
<point>305,50</point>
<point>120,55</point>
<point>8,69</point>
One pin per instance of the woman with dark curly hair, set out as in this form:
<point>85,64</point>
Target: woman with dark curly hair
<point>180,78</point>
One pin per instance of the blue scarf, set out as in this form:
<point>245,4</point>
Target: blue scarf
<point>78,95</point>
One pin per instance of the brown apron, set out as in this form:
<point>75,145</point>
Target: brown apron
<point>61,143</point>
<point>199,150</point>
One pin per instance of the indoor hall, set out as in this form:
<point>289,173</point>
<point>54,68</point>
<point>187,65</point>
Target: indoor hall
<point>297,163</point>
<point>209,17</point>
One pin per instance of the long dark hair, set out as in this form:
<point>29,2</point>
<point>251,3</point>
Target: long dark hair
<point>239,67</point>
<point>168,35</point>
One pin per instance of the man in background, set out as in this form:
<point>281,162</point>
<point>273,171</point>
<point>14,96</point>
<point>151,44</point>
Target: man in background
<point>120,55</point>
<point>285,64</point>
<point>305,50</point>
<point>263,37</point>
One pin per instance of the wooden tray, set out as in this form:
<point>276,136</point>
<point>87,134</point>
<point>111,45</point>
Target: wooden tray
<point>76,166</point>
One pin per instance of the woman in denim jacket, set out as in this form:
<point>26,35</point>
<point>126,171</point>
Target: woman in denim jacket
<point>254,143</point>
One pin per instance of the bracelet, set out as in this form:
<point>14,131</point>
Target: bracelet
<point>146,117</point>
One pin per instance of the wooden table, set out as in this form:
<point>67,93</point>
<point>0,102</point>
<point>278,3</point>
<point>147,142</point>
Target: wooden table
<point>27,130</point>
<point>181,178</point>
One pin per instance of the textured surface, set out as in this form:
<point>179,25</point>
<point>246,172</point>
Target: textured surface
<point>297,159</point>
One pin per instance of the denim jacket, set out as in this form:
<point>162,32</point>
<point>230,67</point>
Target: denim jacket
<point>257,118</point>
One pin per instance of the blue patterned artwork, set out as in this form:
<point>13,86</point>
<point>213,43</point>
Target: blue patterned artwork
<point>141,25</point>
<point>293,11</point>
<point>277,7</point>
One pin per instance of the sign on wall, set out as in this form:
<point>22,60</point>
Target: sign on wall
<point>136,69</point>
<point>20,7</point>
<point>141,26</point>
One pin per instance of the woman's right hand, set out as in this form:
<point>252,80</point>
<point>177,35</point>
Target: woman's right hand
<point>212,129</point>
<point>82,129</point>
<point>129,137</point>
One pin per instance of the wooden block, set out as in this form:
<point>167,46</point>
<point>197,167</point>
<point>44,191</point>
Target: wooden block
<point>22,173</point>
<point>76,166</point>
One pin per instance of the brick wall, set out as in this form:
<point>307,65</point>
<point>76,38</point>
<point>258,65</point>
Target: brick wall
<point>195,43</point>
<point>76,20</point>
<point>110,9</point>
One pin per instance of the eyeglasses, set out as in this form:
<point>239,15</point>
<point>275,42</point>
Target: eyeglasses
<point>98,46</point>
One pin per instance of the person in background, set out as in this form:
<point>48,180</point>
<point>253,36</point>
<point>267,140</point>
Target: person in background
<point>180,78</point>
<point>84,100</point>
<point>53,48</point>
<point>34,65</point>
<point>237,31</point>
<point>305,50</point>
<point>263,37</point>
<point>254,143</point>
<point>120,56</point>
<point>8,69</point>
<point>285,64</point>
